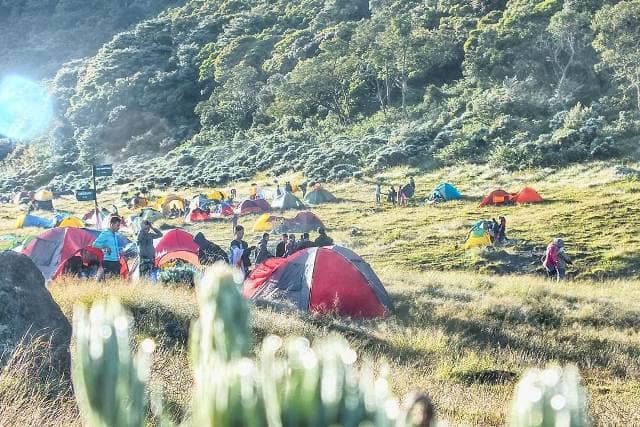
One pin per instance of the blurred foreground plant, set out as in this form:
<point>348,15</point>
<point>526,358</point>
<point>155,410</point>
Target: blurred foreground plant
<point>553,397</point>
<point>109,382</point>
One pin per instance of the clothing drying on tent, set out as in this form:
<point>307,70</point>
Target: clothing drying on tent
<point>320,280</point>
<point>318,196</point>
<point>445,192</point>
<point>478,236</point>
<point>53,249</point>
<point>223,209</point>
<point>303,222</point>
<point>528,195</point>
<point>267,222</point>
<point>28,220</point>
<point>255,206</point>
<point>497,198</point>
<point>198,215</point>
<point>71,221</point>
<point>176,245</point>
<point>287,201</point>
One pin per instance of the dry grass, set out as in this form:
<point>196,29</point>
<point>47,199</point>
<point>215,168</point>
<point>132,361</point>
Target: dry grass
<point>463,336</point>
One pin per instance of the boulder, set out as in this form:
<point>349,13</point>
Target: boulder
<point>28,312</point>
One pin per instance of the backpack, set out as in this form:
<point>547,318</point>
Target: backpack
<point>550,258</point>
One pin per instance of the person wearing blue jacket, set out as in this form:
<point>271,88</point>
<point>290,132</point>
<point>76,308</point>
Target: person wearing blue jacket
<point>109,242</point>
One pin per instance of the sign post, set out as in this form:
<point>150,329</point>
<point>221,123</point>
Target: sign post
<point>87,195</point>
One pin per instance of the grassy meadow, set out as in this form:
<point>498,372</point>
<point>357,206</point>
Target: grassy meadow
<point>466,324</point>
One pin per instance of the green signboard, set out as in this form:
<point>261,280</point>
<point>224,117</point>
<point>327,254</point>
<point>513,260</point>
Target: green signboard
<point>85,195</point>
<point>103,170</point>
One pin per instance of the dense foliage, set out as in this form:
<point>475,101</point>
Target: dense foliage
<point>335,88</point>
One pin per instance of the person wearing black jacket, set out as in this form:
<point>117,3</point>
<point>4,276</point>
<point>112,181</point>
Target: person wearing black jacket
<point>147,252</point>
<point>208,252</point>
<point>281,249</point>
<point>323,239</point>
<point>304,242</point>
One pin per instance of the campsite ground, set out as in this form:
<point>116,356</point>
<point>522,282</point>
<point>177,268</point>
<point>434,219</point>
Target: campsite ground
<point>459,331</point>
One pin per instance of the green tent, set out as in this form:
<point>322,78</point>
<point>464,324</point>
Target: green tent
<point>287,201</point>
<point>318,196</point>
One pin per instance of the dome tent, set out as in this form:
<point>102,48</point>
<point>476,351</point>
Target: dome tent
<point>303,222</point>
<point>497,198</point>
<point>253,206</point>
<point>43,199</point>
<point>318,196</point>
<point>321,280</point>
<point>287,201</point>
<point>528,195</point>
<point>175,245</point>
<point>51,250</point>
<point>267,222</point>
<point>447,191</point>
<point>71,221</point>
<point>478,236</point>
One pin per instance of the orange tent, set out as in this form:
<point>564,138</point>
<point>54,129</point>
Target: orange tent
<point>528,195</point>
<point>496,198</point>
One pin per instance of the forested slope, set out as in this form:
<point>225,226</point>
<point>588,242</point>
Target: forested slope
<point>336,88</point>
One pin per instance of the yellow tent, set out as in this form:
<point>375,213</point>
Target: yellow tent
<point>165,204</point>
<point>43,195</point>
<point>217,195</point>
<point>263,223</point>
<point>20,221</point>
<point>72,222</point>
<point>478,236</point>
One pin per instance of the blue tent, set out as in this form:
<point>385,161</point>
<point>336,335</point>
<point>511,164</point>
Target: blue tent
<point>28,220</point>
<point>448,191</point>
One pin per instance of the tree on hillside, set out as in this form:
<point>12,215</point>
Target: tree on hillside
<point>617,36</point>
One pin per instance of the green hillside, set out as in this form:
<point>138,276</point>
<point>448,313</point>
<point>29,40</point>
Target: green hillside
<point>337,88</point>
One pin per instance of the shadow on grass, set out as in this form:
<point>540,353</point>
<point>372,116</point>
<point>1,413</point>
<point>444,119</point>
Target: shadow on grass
<point>159,322</point>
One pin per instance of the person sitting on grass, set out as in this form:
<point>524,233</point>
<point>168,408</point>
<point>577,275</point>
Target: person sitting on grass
<point>304,242</point>
<point>281,249</point>
<point>263,249</point>
<point>323,239</point>
<point>291,246</point>
<point>208,252</point>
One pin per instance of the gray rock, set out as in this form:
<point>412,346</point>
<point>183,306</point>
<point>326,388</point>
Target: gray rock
<point>29,312</point>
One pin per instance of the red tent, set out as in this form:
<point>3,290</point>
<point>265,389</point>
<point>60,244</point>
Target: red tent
<point>253,206</point>
<point>198,215</point>
<point>321,280</point>
<point>176,245</point>
<point>51,250</point>
<point>528,195</point>
<point>497,198</point>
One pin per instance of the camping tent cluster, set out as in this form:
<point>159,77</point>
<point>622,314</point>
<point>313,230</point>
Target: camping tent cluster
<point>303,222</point>
<point>500,197</point>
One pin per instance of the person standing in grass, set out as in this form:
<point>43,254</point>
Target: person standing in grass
<point>391,195</point>
<point>378,193</point>
<point>146,251</point>
<point>555,260</point>
<point>239,251</point>
<point>107,241</point>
